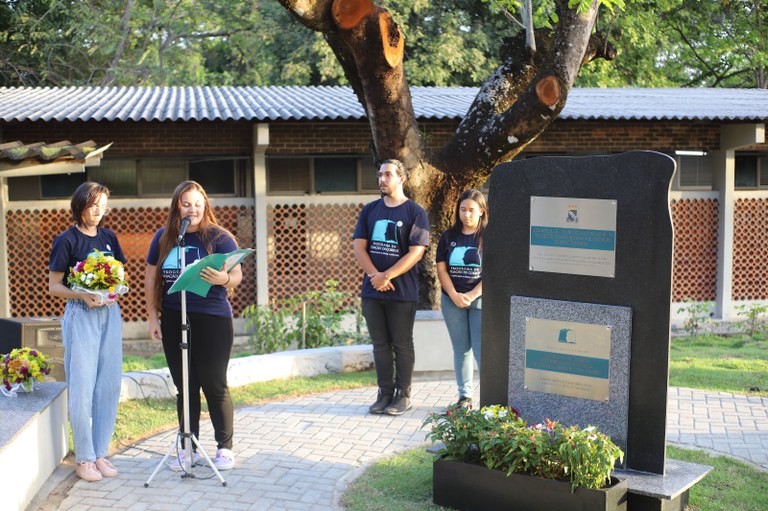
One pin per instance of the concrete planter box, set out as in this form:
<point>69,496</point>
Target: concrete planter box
<point>471,487</point>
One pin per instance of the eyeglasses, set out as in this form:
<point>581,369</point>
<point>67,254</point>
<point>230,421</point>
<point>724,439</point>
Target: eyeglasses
<point>97,210</point>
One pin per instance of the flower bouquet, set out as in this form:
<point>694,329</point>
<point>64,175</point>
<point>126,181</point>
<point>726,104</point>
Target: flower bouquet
<point>496,437</point>
<point>100,275</point>
<point>21,368</point>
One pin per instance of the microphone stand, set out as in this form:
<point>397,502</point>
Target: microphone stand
<point>185,434</point>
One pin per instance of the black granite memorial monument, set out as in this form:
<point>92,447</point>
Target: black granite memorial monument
<point>577,272</point>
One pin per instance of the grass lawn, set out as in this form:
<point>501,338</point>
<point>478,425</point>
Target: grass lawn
<point>404,483</point>
<point>735,364</point>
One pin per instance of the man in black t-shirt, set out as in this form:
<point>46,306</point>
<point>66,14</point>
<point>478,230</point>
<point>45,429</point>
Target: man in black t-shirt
<point>391,236</point>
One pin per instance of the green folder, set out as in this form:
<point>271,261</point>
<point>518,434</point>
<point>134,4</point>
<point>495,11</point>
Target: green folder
<point>190,279</point>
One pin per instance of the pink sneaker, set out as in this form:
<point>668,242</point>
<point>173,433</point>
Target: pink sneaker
<point>87,471</point>
<point>105,467</point>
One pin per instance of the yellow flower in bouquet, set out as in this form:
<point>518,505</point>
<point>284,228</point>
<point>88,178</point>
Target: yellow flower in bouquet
<point>23,366</point>
<point>99,274</point>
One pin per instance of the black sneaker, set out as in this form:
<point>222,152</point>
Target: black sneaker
<point>465,402</point>
<point>382,401</point>
<point>400,404</point>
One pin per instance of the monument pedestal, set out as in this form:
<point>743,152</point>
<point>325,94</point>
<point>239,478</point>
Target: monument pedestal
<point>668,492</point>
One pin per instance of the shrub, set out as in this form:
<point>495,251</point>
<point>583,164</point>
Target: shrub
<point>311,320</point>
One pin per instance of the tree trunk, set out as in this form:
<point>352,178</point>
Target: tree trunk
<point>514,105</point>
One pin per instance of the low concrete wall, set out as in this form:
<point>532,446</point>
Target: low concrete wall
<point>242,371</point>
<point>430,337</point>
<point>33,441</point>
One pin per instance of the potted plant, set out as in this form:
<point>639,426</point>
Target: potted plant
<point>492,459</point>
<point>21,368</point>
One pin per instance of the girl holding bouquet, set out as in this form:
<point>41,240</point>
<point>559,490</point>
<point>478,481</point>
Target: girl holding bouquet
<point>209,318</point>
<point>91,332</point>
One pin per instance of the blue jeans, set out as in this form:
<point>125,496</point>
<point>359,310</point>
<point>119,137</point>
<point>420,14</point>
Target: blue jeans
<point>464,331</point>
<point>93,361</point>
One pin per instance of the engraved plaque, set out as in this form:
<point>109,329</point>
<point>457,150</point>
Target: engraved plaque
<point>572,235</point>
<point>567,358</point>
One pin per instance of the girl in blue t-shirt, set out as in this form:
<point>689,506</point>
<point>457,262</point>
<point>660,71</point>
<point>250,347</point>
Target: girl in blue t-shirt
<point>459,254</point>
<point>91,331</point>
<point>209,318</point>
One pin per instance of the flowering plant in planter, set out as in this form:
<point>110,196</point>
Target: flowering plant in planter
<point>496,436</point>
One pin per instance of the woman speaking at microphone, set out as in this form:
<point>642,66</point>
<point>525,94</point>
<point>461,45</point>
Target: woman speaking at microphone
<point>209,318</point>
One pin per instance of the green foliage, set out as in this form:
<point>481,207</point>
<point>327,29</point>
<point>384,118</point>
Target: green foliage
<point>311,320</point>
<point>684,43</point>
<point>498,438</point>
<point>696,316</point>
<point>448,43</point>
<point>268,327</point>
<point>755,322</point>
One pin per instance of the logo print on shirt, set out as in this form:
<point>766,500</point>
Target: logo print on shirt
<point>172,261</point>
<point>386,231</point>
<point>464,256</point>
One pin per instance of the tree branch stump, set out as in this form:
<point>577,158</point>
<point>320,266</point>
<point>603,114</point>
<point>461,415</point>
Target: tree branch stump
<point>348,13</point>
<point>548,91</point>
<point>392,40</point>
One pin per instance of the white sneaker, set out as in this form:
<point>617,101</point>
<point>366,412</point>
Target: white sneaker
<point>178,464</point>
<point>225,459</point>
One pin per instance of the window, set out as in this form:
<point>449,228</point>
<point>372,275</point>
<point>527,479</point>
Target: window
<point>119,175</point>
<point>160,177</point>
<point>751,170</point>
<point>60,185</point>
<point>321,174</point>
<point>140,177</point>
<point>694,171</point>
<point>288,175</point>
<point>216,176</point>
<point>335,175</point>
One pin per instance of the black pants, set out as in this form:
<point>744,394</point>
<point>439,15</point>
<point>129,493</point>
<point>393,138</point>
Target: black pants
<point>390,324</point>
<point>210,345</point>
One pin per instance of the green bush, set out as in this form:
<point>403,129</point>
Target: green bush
<point>755,322</point>
<point>311,320</point>
<point>697,317</point>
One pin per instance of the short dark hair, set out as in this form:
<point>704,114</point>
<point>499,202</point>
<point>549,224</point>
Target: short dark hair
<point>85,196</point>
<point>398,165</point>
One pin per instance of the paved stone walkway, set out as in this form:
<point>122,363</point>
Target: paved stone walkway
<point>300,454</point>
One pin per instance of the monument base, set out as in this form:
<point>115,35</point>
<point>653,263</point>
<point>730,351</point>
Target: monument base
<point>668,492</point>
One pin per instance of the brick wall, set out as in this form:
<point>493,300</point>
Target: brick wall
<point>353,137</point>
<point>142,138</point>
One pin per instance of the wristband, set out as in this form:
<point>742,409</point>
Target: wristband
<point>229,277</point>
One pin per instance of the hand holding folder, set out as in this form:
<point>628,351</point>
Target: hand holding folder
<point>190,280</point>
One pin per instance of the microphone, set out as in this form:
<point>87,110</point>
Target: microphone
<point>184,224</point>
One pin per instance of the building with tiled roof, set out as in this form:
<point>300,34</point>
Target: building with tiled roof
<point>289,167</point>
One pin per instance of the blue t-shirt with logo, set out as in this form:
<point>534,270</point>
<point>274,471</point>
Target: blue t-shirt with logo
<point>216,303</point>
<point>72,246</point>
<point>390,232</point>
<point>461,255</point>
